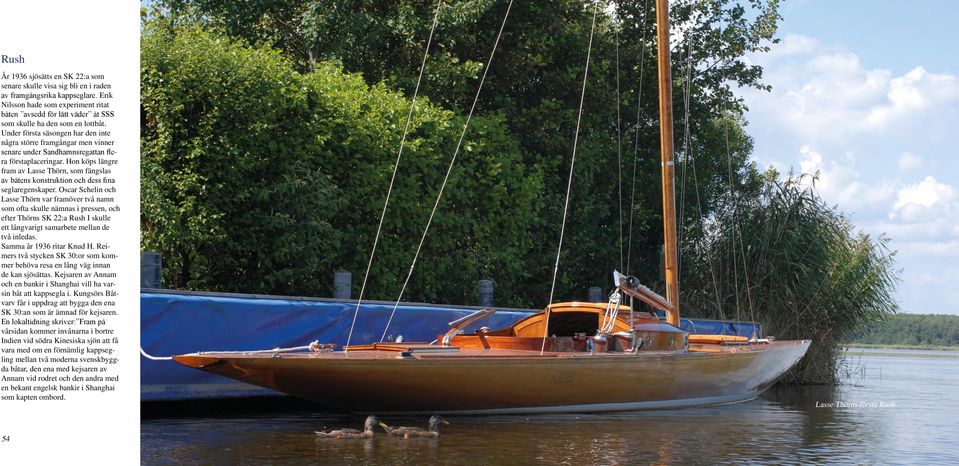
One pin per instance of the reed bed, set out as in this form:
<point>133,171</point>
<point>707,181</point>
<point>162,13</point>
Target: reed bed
<point>785,258</point>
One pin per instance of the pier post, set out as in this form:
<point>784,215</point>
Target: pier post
<point>484,290</point>
<point>151,270</point>
<point>595,294</point>
<point>342,284</point>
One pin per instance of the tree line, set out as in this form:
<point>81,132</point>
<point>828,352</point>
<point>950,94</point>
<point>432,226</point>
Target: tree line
<point>912,329</point>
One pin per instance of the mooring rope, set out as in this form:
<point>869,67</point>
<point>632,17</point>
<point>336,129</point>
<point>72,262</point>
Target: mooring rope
<point>569,183</point>
<point>396,166</point>
<point>449,170</point>
<point>314,346</point>
<point>154,358</point>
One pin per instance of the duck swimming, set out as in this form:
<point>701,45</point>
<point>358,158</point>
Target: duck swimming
<point>352,433</point>
<point>433,430</point>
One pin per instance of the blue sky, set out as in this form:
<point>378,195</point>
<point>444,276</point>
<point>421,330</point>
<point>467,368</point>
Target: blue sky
<point>866,93</point>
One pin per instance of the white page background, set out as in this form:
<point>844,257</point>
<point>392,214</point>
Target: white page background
<point>90,37</point>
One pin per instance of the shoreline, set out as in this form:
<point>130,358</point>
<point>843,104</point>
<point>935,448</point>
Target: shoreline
<point>892,351</point>
<point>852,346</point>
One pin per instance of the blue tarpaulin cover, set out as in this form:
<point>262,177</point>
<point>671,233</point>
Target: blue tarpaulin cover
<point>717,327</point>
<point>178,323</point>
<point>183,322</point>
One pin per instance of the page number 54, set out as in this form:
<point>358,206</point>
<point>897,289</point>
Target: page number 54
<point>4,439</point>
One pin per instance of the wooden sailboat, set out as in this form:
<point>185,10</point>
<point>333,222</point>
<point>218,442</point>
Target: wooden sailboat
<point>598,356</point>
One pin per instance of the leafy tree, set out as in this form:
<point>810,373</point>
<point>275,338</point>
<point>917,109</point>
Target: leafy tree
<point>230,192</point>
<point>257,178</point>
<point>534,86</point>
<point>482,228</point>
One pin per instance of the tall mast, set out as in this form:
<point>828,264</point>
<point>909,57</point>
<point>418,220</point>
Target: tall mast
<point>666,149</point>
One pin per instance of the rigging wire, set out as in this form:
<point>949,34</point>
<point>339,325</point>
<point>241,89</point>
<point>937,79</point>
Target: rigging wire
<point>709,257</point>
<point>732,199</point>
<point>449,170</point>
<point>742,248</point>
<point>639,111</point>
<point>737,231</point>
<point>619,153</point>
<point>396,166</point>
<point>690,160</point>
<point>569,183</point>
<point>687,90</point>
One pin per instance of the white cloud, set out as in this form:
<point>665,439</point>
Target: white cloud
<point>797,45</point>
<point>915,91</point>
<point>928,199</point>
<point>933,248</point>
<point>909,161</point>
<point>839,181</point>
<point>850,123</point>
<point>833,181</point>
<point>826,91</point>
<point>885,146</point>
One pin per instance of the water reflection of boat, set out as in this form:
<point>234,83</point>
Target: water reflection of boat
<point>572,357</point>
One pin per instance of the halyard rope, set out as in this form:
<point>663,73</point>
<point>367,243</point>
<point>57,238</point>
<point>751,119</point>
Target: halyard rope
<point>619,154</point>
<point>569,183</point>
<point>639,111</point>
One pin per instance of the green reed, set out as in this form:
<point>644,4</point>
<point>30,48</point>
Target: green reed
<point>785,258</point>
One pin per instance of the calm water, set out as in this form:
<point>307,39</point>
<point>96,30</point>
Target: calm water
<point>899,407</point>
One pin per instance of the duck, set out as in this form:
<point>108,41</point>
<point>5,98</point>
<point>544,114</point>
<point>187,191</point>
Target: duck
<point>433,430</point>
<point>367,432</point>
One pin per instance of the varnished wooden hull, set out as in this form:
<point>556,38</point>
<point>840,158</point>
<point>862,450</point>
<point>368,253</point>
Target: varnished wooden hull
<point>509,381</point>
